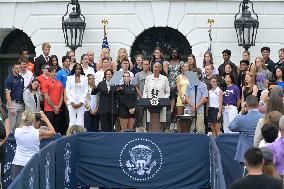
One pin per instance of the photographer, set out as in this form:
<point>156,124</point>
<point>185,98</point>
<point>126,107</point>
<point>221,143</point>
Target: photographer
<point>28,140</point>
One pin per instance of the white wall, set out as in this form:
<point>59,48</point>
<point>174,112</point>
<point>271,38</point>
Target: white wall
<point>127,19</point>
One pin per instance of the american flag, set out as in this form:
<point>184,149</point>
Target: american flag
<point>105,43</point>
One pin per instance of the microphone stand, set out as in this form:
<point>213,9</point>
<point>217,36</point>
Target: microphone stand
<point>112,109</point>
<point>195,112</point>
<point>115,86</point>
<point>111,103</point>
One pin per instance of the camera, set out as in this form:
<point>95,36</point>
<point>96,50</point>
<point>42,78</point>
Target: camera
<point>37,116</point>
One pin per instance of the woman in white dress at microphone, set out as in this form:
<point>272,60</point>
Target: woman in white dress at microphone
<point>160,83</point>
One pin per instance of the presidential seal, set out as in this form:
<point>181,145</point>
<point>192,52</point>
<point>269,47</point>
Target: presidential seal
<point>141,159</point>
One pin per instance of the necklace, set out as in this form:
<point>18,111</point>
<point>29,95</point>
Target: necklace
<point>214,90</point>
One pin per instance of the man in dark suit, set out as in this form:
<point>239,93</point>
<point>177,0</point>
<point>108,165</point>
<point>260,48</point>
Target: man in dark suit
<point>108,102</point>
<point>42,59</point>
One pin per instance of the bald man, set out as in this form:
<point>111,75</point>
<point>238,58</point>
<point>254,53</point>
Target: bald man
<point>92,64</point>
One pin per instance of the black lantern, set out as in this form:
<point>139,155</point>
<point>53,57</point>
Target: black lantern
<point>246,26</point>
<point>73,26</point>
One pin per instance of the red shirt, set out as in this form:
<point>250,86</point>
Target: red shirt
<point>31,67</point>
<point>42,80</point>
<point>54,89</point>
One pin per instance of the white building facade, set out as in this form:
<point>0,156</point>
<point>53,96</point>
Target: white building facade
<point>41,21</point>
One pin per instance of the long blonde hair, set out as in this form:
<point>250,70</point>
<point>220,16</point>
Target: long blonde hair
<point>103,52</point>
<point>126,54</point>
<point>272,118</point>
<point>28,118</point>
<point>263,64</point>
<point>73,129</point>
<point>252,83</point>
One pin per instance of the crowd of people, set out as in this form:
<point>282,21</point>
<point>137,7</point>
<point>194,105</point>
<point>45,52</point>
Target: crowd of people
<point>72,93</point>
<point>245,97</point>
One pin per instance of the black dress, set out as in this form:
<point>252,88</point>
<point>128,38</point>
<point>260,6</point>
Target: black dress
<point>241,78</point>
<point>127,100</point>
<point>246,92</point>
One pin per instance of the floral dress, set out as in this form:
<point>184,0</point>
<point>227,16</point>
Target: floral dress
<point>173,73</point>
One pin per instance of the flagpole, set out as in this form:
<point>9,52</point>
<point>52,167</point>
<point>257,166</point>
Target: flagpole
<point>105,22</point>
<point>210,22</point>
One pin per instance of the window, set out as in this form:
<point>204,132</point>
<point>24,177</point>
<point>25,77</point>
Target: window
<point>164,37</point>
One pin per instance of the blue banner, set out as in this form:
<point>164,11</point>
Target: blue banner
<point>227,145</point>
<point>47,166</point>
<point>66,159</point>
<point>44,142</point>
<point>10,149</point>
<point>30,173</point>
<point>131,160</point>
<point>216,171</point>
<point>143,160</point>
<point>17,184</point>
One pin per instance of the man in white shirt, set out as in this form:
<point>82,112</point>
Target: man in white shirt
<point>26,74</point>
<point>85,64</point>
<point>91,60</point>
<point>99,75</point>
<point>125,64</point>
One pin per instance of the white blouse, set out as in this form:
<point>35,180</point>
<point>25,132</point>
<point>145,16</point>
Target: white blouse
<point>76,92</point>
<point>214,97</point>
<point>161,84</point>
<point>27,140</point>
